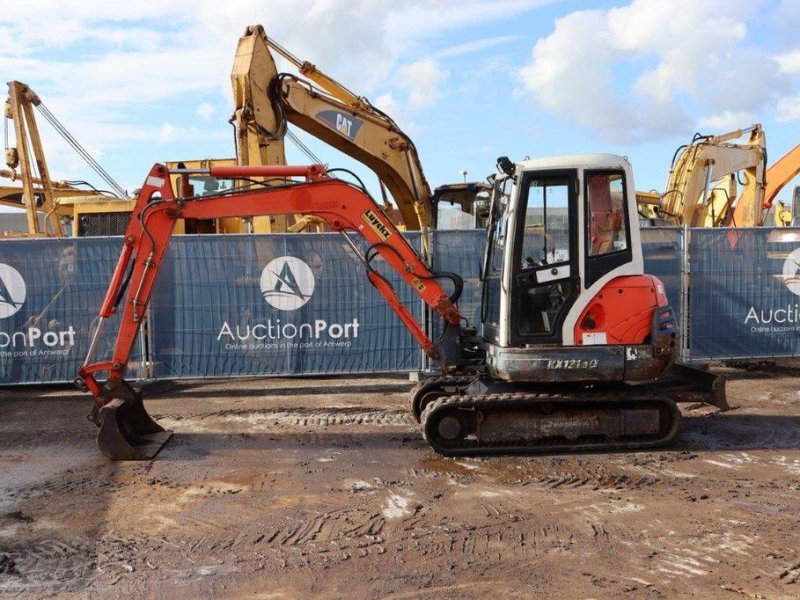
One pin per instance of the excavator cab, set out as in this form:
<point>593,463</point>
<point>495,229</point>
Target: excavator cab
<point>569,322</point>
<point>563,273</point>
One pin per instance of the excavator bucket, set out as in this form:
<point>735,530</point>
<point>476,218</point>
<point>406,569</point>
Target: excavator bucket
<point>126,430</point>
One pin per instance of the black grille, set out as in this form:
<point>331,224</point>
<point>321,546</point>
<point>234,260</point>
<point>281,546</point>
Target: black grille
<point>97,224</point>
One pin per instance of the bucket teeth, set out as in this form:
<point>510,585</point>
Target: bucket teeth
<point>126,430</point>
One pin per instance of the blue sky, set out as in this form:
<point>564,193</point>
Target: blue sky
<point>468,80</point>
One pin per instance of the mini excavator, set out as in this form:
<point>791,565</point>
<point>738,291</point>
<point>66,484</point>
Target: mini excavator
<point>575,345</point>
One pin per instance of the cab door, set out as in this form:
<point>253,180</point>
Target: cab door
<point>545,277</point>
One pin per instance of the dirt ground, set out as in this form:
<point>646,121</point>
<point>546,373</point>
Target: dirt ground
<point>324,488</point>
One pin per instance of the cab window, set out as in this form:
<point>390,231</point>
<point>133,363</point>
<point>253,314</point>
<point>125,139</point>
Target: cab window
<point>500,227</point>
<point>606,214</point>
<point>546,236</point>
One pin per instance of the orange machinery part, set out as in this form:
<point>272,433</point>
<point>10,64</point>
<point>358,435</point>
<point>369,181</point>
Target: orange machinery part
<point>610,311</point>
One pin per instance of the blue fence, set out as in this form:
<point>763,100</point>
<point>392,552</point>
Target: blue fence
<point>744,294</point>
<point>244,305</point>
<point>289,305</point>
<point>50,294</point>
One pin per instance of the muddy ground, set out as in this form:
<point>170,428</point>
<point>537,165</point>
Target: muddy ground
<point>325,488</point>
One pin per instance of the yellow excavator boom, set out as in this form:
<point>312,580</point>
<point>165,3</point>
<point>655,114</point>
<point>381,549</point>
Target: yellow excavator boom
<point>267,101</point>
<point>702,186</point>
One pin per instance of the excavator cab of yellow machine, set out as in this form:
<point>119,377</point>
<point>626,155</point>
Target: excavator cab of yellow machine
<point>461,205</point>
<point>574,341</point>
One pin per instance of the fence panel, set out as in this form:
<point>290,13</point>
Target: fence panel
<point>662,251</point>
<point>275,305</point>
<point>744,289</point>
<point>50,294</point>
<point>460,252</point>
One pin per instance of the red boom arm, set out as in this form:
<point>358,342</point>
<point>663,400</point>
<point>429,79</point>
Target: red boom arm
<point>343,206</point>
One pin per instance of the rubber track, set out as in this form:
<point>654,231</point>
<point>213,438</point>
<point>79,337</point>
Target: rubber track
<point>590,399</point>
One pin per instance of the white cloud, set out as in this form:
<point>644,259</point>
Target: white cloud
<point>424,80</point>
<point>205,111</point>
<point>408,21</point>
<point>669,58</point>
<point>571,73</point>
<point>388,104</point>
<point>789,62</point>
<point>723,122</point>
<point>788,109</point>
<point>474,46</point>
<point>167,133</point>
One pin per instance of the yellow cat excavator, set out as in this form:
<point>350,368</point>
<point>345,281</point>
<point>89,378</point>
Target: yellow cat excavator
<point>267,101</point>
<point>705,177</point>
<point>702,186</point>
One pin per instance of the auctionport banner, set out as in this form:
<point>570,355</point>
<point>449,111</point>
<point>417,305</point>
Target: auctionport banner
<point>744,293</point>
<point>289,304</point>
<point>275,305</point>
<point>50,294</point>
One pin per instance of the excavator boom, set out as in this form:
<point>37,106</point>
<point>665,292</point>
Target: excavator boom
<point>343,206</point>
<point>267,101</point>
<point>779,174</point>
<point>701,188</point>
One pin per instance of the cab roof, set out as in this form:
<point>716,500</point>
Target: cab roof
<point>575,161</point>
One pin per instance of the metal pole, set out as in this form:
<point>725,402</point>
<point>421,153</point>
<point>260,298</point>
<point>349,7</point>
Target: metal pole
<point>685,246</point>
<point>424,360</point>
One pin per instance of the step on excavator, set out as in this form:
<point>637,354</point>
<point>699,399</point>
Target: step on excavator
<point>575,345</point>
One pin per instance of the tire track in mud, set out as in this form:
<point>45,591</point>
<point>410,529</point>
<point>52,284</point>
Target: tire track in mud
<point>53,565</point>
<point>547,472</point>
<point>694,556</point>
<point>279,419</point>
<point>346,534</point>
<point>791,574</point>
<point>329,537</point>
<point>46,566</point>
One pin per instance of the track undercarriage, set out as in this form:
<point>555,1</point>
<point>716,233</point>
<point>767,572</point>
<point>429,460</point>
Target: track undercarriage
<point>475,415</point>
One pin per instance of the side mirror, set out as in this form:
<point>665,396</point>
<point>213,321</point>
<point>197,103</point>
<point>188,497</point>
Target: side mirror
<point>505,165</point>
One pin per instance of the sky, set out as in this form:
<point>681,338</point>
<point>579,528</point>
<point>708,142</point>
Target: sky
<point>468,80</point>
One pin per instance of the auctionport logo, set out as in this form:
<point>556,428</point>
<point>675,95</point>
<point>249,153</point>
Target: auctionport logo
<point>791,272</point>
<point>12,291</point>
<point>785,318</point>
<point>28,341</point>
<point>287,283</point>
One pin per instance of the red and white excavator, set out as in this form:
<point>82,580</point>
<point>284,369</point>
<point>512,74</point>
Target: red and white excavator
<point>574,342</point>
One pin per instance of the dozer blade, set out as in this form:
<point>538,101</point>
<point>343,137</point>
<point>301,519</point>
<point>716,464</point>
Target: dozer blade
<point>127,432</point>
<point>686,383</point>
